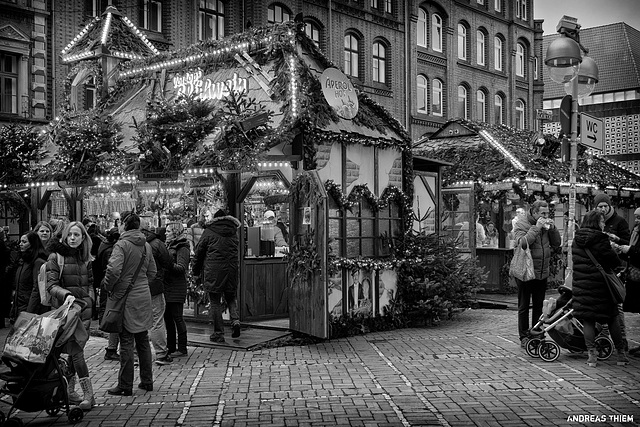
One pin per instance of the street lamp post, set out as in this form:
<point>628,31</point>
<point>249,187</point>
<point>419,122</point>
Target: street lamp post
<point>579,75</point>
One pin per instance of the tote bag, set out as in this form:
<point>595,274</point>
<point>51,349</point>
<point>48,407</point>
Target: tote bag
<point>614,283</point>
<point>522,263</point>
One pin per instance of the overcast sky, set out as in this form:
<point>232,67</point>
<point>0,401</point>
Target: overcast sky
<point>590,13</point>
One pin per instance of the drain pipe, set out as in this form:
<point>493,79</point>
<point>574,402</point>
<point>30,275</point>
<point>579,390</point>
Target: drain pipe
<point>330,32</point>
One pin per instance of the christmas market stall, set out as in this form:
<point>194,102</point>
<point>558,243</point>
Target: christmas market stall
<point>496,170</point>
<point>262,125</point>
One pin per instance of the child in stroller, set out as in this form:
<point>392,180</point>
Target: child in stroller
<point>564,330</point>
<point>34,387</point>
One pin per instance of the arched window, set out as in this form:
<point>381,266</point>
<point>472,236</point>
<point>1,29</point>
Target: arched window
<point>379,63</point>
<point>90,93</point>
<point>520,114</point>
<point>481,106</point>
<point>498,106</point>
<point>422,98</point>
<point>497,53</point>
<point>480,48</point>
<point>436,97</point>
<point>436,32</point>
<point>463,102</point>
<point>211,16</point>
<point>313,31</point>
<point>351,56</point>
<point>9,77</point>
<point>278,14</point>
<point>462,41</point>
<point>422,28</point>
<point>520,56</point>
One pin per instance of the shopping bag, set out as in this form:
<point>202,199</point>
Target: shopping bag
<point>522,263</point>
<point>614,282</point>
<point>33,336</point>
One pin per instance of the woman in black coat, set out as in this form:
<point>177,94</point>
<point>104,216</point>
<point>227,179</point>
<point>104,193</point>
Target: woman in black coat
<point>592,301</point>
<point>175,289</point>
<point>32,256</point>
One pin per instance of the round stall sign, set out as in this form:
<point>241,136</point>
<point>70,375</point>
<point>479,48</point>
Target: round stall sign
<point>339,93</point>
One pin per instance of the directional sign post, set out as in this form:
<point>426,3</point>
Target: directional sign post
<point>592,132</point>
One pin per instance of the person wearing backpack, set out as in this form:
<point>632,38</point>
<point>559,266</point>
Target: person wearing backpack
<point>32,256</point>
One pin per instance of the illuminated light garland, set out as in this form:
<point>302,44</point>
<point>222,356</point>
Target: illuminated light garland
<point>79,56</point>
<point>105,28</point>
<point>195,171</point>
<point>140,35</point>
<point>273,164</point>
<point>293,86</point>
<point>84,31</point>
<point>498,146</point>
<point>116,179</point>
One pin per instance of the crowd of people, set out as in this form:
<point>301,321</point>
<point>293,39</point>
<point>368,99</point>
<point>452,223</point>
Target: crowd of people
<point>147,265</point>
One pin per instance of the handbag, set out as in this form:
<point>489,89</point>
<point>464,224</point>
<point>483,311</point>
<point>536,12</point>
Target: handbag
<point>114,310</point>
<point>522,263</point>
<point>45,296</point>
<point>614,283</point>
<point>632,274</point>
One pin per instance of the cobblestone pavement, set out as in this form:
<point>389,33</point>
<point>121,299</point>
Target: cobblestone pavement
<point>466,372</point>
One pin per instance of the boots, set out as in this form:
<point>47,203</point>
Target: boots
<point>622,358</point>
<point>74,398</point>
<point>593,357</point>
<point>88,401</point>
<point>111,354</point>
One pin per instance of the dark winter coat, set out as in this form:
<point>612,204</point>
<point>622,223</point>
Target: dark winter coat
<point>124,260</point>
<point>540,243</point>
<point>76,279</point>
<point>216,256</point>
<point>26,282</point>
<point>175,279</point>
<point>101,261</point>
<point>5,282</point>
<point>591,297</point>
<point>162,259</point>
<point>614,223</point>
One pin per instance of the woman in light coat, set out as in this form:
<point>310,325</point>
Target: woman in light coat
<point>130,251</point>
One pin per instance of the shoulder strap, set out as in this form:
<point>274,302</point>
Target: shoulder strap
<point>593,259</point>
<point>60,262</point>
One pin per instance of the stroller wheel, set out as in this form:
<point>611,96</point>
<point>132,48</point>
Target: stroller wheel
<point>52,411</point>
<point>13,422</point>
<point>532,347</point>
<point>549,351</point>
<point>604,346</point>
<point>75,415</point>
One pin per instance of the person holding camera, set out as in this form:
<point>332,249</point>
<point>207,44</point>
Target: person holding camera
<point>539,232</point>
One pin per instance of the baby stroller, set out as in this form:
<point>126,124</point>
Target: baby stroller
<point>34,386</point>
<point>564,330</point>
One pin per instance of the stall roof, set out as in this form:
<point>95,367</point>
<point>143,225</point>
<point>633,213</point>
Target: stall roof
<point>486,153</point>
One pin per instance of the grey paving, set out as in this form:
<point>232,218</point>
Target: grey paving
<point>466,372</point>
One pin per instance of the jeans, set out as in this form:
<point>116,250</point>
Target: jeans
<point>77,364</point>
<point>114,340</point>
<point>589,331</point>
<point>217,309</point>
<point>531,290</point>
<point>125,376</point>
<point>175,323</point>
<point>158,332</point>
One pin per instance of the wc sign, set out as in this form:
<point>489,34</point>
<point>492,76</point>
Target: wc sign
<point>591,132</point>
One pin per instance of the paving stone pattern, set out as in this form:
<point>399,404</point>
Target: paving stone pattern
<point>466,372</point>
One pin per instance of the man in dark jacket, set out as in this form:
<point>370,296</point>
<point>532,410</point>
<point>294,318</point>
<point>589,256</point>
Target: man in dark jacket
<point>539,232</point>
<point>100,266</point>
<point>217,261</point>
<point>158,332</point>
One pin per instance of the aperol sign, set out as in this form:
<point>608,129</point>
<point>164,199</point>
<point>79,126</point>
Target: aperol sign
<point>339,93</point>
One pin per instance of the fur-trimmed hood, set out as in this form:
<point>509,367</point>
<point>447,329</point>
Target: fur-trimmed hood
<point>225,226</point>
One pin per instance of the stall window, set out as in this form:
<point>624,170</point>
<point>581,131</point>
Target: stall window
<point>90,93</point>
<point>456,218</point>
<point>335,228</point>
<point>360,231</point>
<point>389,229</point>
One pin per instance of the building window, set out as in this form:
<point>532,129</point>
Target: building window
<point>481,106</point>
<point>211,19</point>
<point>436,97</point>
<point>151,15</point>
<point>520,60</point>
<point>388,7</point>
<point>374,4</point>
<point>351,56</point>
<point>463,102</point>
<point>498,105</point>
<point>535,68</point>
<point>497,5</point>
<point>480,48</point>
<point>497,53</point>
<point>520,116</point>
<point>422,28</point>
<point>277,14</point>
<point>462,42</point>
<point>480,1</point>
<point>8,83</point>
<point>90,93</point>
<point>436,32</point>
<point>95,7</point>
<point>379,63</point>
<point>521,9</point>
<point>313,31</point>
<point>421,83</point>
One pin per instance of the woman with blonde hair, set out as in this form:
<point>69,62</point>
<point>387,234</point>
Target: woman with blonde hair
<point>45,231</point>
<point>74,278</point>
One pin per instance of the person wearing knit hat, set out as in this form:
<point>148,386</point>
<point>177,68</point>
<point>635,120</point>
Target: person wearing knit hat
<point>632,254</point>
<point>616,227</point>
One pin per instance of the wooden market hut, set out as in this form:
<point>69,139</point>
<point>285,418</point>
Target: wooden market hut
<point>496,169</point>
<point>262,121</point>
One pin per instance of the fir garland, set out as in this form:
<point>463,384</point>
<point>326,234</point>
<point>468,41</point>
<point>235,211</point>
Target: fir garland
<point>20,146</point>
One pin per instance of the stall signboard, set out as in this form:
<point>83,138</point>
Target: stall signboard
<point>339,93</point>
<point>153,176</point>
<point>209,87</point>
